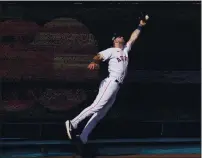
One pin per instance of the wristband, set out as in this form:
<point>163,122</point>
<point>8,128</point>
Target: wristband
<point>95,61</point>
<point>139,27</point>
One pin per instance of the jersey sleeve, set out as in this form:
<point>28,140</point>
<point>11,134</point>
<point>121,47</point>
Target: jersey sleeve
<point>105,54</point>
<point>127,47</point>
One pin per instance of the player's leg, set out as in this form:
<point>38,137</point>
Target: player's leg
<point>94,120</point>
<point>106,90</point>
<point>71,125</point>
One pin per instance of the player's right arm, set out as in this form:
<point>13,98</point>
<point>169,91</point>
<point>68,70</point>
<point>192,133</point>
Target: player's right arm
<point>101,56</point>
<point>95,63</point>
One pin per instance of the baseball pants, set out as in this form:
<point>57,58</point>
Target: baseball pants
<point>98,109</point>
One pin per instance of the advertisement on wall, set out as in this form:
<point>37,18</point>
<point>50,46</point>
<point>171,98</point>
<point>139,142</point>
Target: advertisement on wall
<point>60,49</point>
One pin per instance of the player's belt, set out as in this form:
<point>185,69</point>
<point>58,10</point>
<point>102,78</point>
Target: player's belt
<point>118,82</point>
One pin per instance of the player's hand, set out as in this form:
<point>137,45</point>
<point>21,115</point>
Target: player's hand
<point>93,66</point>
<point>142,22</point>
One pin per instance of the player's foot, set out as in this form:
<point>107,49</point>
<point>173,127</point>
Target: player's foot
<point>70,129</point>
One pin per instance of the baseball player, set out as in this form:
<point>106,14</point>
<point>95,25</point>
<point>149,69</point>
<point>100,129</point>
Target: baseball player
<point>117,58</point>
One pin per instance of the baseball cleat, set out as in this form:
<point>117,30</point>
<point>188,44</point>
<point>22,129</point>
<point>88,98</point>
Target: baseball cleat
<point>69,129</point>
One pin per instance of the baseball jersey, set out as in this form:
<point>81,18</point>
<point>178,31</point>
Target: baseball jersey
<point>118,61</point>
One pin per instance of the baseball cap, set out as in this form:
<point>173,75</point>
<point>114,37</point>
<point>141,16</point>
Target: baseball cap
<point>116,35</point>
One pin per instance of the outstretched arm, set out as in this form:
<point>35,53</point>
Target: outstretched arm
<point>134,36</point>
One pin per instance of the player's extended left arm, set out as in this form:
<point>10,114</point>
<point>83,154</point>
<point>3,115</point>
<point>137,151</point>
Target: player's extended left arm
<point>134,36</point>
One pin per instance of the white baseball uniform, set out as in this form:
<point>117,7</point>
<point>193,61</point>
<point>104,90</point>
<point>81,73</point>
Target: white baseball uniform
<point>117,67</point>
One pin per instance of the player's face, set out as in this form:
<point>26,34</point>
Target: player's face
<point>119,42</point>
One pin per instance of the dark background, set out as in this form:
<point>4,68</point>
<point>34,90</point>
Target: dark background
<point>172,33</point>
<point>170,42</point>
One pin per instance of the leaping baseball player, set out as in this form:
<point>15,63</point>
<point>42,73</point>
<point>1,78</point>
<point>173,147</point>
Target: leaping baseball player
<point>117,58</point>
